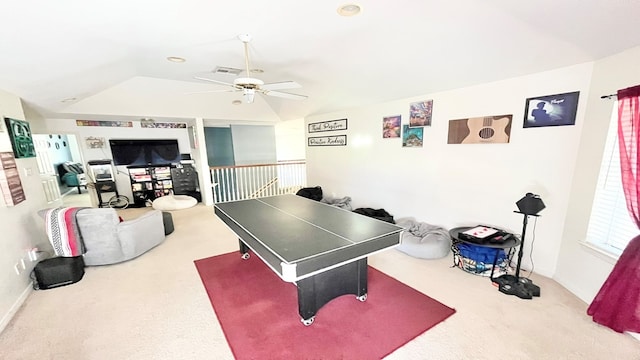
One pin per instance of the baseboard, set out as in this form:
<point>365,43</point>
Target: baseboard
<point>16,306</point>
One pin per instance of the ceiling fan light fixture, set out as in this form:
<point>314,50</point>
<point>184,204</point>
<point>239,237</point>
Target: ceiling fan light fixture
<point>248,95</point>
<point>349,10</point>
<point>248,82</point>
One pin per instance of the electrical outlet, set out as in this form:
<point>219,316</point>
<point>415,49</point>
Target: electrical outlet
<point>33,254</point>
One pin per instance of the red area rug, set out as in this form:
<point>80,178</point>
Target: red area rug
<point>259,314</point>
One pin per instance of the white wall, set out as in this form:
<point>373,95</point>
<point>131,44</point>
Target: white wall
<point>290,140</point>
<point>580,269</point>
<point>462,184</point>
<point>21,227</point>
<point>68,126</point>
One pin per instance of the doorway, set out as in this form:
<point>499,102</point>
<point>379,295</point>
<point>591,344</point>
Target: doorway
<point>52,152</point>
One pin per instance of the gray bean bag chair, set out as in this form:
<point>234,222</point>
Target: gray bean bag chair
<point>343,203</point>
<point>422,240</point>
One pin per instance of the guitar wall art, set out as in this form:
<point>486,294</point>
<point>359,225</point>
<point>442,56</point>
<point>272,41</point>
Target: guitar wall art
<point>480,130</point>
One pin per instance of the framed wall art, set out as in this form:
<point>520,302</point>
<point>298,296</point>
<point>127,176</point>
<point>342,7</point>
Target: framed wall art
<point>333,125</point>
<point>104,123</point>
<point>412,136</point>
<point>338,140</point>
<point>480,130</point>
<point>551,110</point>
<point>21,139</point>
<point>391,126</point>
<point>420,113</point>
<point>162,125</point>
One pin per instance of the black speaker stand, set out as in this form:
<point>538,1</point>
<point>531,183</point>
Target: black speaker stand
<point>515,285</point>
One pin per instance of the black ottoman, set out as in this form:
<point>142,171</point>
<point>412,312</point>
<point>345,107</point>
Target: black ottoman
<point>167,220</point>
<point>58,271</point>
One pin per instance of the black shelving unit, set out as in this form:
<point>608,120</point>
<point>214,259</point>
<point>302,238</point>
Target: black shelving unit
<point>149,183</point>
<point>185,181</point>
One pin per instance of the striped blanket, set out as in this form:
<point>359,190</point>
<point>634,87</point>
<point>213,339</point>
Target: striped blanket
<point>63,231</point>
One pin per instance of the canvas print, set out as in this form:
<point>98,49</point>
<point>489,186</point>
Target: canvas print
<point>163,125</point>
<point>21,139</point>
<point>391,126</point>
<point>480,130</point>
<point>412,136</point>
<point>551,110</point>
<point>420,113</point>
<point>104,123</point>
<point>10,183</point>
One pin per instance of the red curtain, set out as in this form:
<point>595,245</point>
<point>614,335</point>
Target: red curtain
<point>617,304</point>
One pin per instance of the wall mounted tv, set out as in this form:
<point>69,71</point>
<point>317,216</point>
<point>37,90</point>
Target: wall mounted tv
<point>141,152</point>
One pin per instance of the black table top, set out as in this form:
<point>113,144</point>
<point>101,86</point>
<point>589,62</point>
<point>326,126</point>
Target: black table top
<point>509,243</point>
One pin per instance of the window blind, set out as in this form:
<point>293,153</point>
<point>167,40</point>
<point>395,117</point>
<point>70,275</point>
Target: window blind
<point>610,226</point>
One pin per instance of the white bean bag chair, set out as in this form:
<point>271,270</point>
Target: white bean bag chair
<point>174,202</point>
<point>422,240</point>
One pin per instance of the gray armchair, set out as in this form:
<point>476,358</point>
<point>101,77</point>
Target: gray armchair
<point>109,241</point>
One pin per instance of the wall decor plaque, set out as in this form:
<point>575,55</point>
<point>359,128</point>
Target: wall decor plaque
<point>10,184</point>
<point>333,125</point>
<point>21,138</point>
<point>338,140</point>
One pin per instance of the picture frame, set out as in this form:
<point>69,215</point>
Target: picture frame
<point>332,125</point>
<point>391,126</point>
<point>21,138</point>
<point>492,129</point>
<point>420,113</point>
<point>551,110</point>
<point>412,136</point>
<point>338,140</point>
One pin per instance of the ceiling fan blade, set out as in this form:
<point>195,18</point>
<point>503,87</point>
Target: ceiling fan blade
<point>281,85</point>
<point>284,95</point>
<point>214,81</point>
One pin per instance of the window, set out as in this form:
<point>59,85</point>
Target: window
<point>610,226</point>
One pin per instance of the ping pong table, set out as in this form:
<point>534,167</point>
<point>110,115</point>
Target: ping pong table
<point>321,248</point>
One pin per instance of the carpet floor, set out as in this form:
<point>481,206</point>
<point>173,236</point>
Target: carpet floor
<point>259,314</point>
<point>155,307</point>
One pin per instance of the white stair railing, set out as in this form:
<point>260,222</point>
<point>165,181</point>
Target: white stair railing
<point>232,183</point>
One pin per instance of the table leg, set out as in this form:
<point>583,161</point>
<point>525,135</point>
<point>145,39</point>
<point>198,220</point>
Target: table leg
<point>317,290</point>
<point>495,260</point>
<point>244,250</point>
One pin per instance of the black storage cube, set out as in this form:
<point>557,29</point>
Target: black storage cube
<point>58,271</point>
<point>167,220</point>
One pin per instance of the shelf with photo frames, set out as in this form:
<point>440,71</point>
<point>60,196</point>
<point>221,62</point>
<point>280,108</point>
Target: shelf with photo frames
<point>149,183</point>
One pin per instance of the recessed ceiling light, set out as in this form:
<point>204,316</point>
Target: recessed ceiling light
<point>176,59</point>
<point>236,102</point>
<point>68,100</point>
<point>349,10</point>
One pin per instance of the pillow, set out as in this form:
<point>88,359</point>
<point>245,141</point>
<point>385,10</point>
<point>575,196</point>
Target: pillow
<point>74,168</point>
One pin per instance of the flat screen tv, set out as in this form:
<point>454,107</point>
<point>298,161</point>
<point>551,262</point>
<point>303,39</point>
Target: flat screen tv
<point>141,152</point>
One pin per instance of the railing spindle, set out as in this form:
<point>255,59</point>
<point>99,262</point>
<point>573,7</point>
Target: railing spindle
<point>255,181</point>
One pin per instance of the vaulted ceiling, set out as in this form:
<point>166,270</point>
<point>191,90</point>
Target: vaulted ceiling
<point>108,59</point>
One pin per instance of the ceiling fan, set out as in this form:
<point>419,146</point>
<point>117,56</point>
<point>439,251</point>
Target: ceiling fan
<point>250,86</point>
